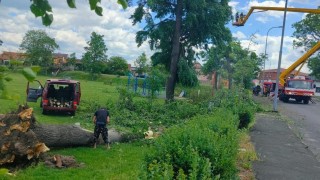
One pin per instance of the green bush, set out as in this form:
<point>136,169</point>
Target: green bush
<point>239,102</point>
<point>203,148</point>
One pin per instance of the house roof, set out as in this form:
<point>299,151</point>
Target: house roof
<point>282,69</point>
<point>6,55</point>
<point>56,55</point>
<point>11,55</point>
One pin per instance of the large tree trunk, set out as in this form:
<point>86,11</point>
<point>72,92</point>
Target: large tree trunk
<point>22,139</point>
<point>175,53</point>
<point>63,135</point>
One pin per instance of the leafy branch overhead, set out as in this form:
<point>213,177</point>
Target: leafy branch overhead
<point>43,9</point>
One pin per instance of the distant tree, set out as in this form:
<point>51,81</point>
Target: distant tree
<point>187,75</point>
<point>247,68</point>
<point>39,48</point>
<point>175,28</point>
<point>4,71</point>
<point>1,42</point>
<point>156,80</point>
<point>117,65</point>
<point>72,60</point>
<point>95,56</point>
<point>307,33</point>
<point>240,65</point>
<point>141,64</point>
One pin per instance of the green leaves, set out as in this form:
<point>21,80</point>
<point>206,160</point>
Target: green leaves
<point>40,8</point>
<point>94,6</point>
<point>98,10</point>
<point>47,19</point>
<point>123,3</point>
<point>71,3</point>
<point>29,74</point>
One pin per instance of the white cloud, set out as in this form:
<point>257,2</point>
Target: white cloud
<point>72,28</point>
<point>263,19</point>
<point>233,5</point>
<point>265,16</point>
<point>309,2</point>
<point>289,53</point>
<point>239,35</point>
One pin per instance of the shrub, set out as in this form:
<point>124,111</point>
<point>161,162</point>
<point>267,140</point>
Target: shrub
<point>203,148</point>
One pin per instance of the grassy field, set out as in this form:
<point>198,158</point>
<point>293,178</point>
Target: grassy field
<point>120,162</point>
<point>123,160</point>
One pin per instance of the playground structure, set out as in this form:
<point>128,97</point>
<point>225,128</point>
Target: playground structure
<point>141,86</point>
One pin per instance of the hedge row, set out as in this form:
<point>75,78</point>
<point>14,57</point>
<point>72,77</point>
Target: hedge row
<point>203,148</point>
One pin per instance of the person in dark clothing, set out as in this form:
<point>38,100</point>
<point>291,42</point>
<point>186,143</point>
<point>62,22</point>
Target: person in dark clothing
<point>237,17</point>
<point>241,17</point>
<point>101,119</point>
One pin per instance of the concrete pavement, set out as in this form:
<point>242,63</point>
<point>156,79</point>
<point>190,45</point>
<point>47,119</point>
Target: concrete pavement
<point>281,153</point>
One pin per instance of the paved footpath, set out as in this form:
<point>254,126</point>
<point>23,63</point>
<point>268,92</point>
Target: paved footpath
<point>281,153</point>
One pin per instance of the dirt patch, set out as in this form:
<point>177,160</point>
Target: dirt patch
<point>59,161</point>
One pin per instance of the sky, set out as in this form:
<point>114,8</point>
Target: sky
<point>72,28</point>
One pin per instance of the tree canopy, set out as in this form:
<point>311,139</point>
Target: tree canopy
<point>233,62</point>
<point>39,48</point>
<point>141,64</point>
<point>175,28</point>
<point>117,65</point>
<point>307,32</point>
<point>94,58</point>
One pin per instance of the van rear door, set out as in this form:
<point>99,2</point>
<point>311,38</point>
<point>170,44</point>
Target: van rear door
<point>78,92</point>
<point>34,91</point>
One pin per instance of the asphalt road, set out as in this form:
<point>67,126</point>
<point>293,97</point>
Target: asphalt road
<point>306,124</point>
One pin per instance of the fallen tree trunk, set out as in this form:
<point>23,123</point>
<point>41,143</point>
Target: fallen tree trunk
<point>63,135</point>
<point>22,139</point>
<point>18,143</point>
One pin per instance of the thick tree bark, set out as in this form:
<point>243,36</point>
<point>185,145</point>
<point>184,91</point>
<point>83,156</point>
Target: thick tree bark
<point>22,139</point>
<point>63,135</point>
<point>18,143</point>
<point>175,53</point>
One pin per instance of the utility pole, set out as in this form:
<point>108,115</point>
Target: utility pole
<point>265,52</point>
<point>275,98</point>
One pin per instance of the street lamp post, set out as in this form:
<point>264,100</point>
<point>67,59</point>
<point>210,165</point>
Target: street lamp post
<point>275,98</point>
<point>265,50</point>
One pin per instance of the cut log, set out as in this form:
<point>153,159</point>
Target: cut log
<point>22,139</point>
<point>63,135</point>
<point>18,143</point>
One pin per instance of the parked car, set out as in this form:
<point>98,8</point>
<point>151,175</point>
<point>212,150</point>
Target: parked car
<point>56,95</point>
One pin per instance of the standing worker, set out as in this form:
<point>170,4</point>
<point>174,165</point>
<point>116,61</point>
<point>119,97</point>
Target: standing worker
<point>237,16</point>
<point>101,119</point>
<point>241,17</point>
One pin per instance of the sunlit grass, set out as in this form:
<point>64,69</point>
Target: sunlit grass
<point>122,161</point>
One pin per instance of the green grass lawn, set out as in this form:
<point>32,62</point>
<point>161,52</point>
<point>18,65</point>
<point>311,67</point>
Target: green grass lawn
<point>122,161</point>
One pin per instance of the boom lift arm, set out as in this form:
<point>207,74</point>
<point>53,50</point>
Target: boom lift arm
<point>242,20</point>
<point>283,76</point>
<point>302,60</point>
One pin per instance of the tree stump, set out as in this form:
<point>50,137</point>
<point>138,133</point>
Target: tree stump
<point>18,143</point>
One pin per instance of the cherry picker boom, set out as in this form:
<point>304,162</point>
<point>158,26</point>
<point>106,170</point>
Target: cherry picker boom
<point>297,88</point>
